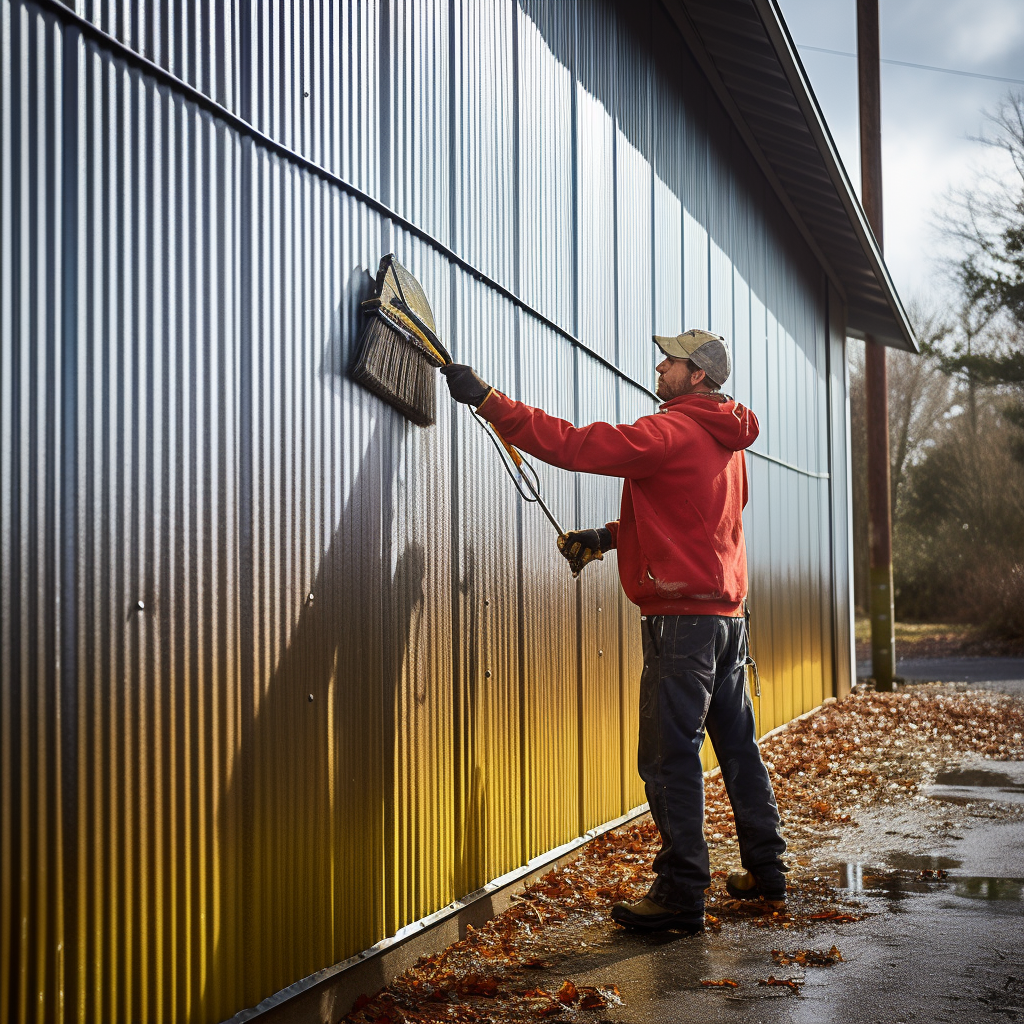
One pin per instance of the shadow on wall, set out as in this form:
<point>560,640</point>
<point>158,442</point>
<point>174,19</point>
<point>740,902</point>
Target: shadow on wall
<point>306,812</point>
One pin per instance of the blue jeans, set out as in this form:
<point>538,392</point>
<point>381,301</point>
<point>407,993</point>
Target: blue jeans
<point>694,681</point>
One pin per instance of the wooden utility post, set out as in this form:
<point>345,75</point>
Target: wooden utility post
<point>883,638</point>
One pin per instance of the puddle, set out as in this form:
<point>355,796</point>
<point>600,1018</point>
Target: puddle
<point>974,777</point>
<point>966,786</point>
<point>1011,889</point>
<point>899,883</point>
<point>920,862</point>
<point>871,880</point>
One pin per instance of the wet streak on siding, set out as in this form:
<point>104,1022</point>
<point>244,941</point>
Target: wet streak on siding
<point>361,682</point>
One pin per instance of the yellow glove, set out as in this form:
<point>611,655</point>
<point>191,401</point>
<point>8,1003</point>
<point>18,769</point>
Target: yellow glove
<point>581,547</point>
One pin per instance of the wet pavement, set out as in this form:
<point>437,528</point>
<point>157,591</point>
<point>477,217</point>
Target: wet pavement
<point>942,882</point>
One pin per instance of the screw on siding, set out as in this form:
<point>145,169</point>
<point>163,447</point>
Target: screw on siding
<point>487,674</point>
<point>141,605</point>
<point>310,598</point>
<point>305,95</point>
<point>487,601</point>
<point>311,698</point>
<point>599,609</point>
<point>600,654</point>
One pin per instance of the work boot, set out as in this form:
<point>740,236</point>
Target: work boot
<point>744,885</point>
<point>648,916</point>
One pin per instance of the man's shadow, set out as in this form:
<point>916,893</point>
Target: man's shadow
<point>304,818</point>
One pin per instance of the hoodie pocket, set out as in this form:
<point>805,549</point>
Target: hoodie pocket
<point>685,566</point>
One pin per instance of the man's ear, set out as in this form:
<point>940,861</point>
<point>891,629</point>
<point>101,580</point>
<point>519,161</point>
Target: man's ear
<point>697,375</point>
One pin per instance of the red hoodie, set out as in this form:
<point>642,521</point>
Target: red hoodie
<point>680,528</point>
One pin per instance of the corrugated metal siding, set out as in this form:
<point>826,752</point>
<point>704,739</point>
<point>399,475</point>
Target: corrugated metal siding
<point>486,516</point>
<point>550,693</point>
<point>601,679</point>
<point>361,682</point>
<point>842,509</point>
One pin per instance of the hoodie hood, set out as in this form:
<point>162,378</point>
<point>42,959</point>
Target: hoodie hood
<point>732,425</point>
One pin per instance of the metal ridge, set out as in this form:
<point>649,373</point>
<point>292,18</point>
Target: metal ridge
<point>201,99</point>
<point>788,465</point>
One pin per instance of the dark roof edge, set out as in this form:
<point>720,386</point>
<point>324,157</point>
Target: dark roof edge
<point>792,67</point>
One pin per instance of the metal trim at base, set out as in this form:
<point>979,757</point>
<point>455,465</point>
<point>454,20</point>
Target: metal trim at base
<point>327,995</point>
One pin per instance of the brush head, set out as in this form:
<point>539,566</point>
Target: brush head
<point>394,366</point>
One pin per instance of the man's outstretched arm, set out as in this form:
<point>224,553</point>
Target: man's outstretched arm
<point>630,450</point>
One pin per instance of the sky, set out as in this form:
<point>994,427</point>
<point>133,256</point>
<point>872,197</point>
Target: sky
<point>928,118</point>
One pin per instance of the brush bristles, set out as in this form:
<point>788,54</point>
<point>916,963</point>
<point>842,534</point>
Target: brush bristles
<point>394,368</point>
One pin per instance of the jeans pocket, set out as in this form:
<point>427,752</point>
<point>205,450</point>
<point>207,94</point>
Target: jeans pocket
<point>689,640</point>
<point>649,689</point>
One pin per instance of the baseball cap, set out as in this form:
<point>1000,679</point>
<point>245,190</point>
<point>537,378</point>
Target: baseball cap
<point>706,350</point>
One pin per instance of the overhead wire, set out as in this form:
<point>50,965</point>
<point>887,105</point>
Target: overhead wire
<point>919,67</point>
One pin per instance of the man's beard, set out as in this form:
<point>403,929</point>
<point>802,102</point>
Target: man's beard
<point>686,387</point>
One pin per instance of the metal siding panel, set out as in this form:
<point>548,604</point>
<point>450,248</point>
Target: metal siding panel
<point>667,271</point>
<point>840,468</point>
<point>696,272</point>
<point>633,234</point>
<point>634,188</point>
<point>633,404</point>
<point>419,724</point>
<point>550,710</point>
<point>197,43</point>
<point>31,676</point>
<point>601,698</point>
<point>326,471</point>
<point>595,211</point>
<point>719,222</point>
<point>756,529</point>
<point>418,132</point>
<point>488,824</point>
<point>696,267</point>
<point>546,185</point>
<point>484,199</point>
<point>740,385</point>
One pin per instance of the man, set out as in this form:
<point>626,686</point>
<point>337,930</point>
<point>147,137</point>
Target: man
<point>682,559</point>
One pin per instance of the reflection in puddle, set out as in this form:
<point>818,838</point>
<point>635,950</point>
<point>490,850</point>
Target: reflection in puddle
<point>990,888</point>
<point>899,884</point>
<point>920,862</point>
<point>867,879</point>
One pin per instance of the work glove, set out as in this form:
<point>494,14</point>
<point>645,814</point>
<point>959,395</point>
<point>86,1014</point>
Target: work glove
<point>581,547</point>
<point>464,384</point>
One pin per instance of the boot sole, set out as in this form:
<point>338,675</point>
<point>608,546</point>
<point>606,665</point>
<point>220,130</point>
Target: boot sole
<point>656,922</point>
<point>757,893</point>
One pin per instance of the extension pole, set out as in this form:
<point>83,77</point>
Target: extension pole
<point>883,638</point>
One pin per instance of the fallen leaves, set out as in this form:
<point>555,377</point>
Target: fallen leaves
<point>793,984</point>
<point>720,983</point>
<point>808,957</point>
